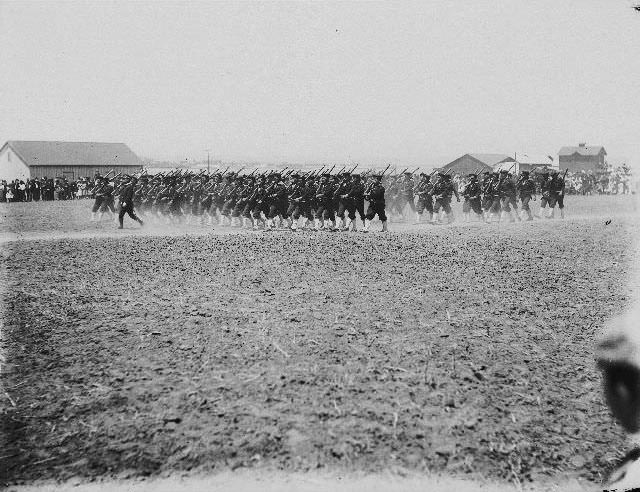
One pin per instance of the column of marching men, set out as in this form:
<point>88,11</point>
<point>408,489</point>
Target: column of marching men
<point>322,200</point>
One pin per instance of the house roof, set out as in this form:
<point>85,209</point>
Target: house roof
<point>534,159</point>
<point>42,153</point>
<point>492,159</point>
<point>466,166</point>
<point>586,150</point>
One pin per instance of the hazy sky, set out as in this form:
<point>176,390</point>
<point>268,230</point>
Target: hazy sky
<point>414,82</point>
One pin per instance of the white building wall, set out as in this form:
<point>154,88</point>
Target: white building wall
<point>11,166</point>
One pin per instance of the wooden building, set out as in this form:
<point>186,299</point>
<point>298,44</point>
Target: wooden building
<point>528,162</point>
<point>20,159</point>
<point>582,158</point>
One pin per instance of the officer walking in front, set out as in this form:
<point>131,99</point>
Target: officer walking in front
<point>126,202</point>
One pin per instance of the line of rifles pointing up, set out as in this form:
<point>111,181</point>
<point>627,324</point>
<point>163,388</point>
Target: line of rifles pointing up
<point>321,199</point>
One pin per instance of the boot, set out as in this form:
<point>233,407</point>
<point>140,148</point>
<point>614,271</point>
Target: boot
<point>366,225</point>
<point>338,224</point>
<point>316,224</point>
<point>294,225</point>
<point>384,226</point>
<point>562,213</point>
<point>418,216</point>
<point>140,222</point>
<point>353,226</point>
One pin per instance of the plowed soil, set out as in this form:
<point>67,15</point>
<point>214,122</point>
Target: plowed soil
<point>465,349</point>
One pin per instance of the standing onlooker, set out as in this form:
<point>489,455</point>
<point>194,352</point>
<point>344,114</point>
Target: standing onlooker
<point>23,191</point>
<point>11,192</point>
<point>34,188</point>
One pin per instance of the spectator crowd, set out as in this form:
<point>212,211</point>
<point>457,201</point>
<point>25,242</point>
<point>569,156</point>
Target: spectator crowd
<point>45,189</point>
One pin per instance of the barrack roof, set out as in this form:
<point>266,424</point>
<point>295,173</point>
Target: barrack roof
<point>582,150</point>
<point>46,153</point>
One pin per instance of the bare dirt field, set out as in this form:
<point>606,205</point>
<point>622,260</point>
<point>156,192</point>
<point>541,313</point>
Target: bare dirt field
<point>463,349</point>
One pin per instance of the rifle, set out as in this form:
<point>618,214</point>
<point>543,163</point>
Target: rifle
<point>354,168</point>
<point>563,180</point>
<point>385,170</point>
<point>402,174</point>
<point>332,167</point>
